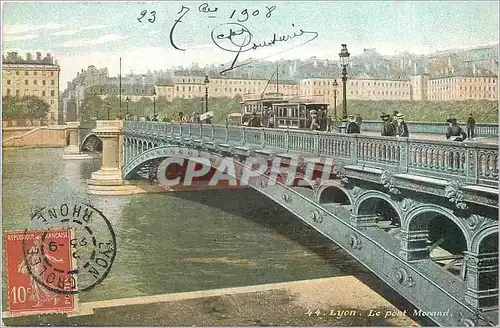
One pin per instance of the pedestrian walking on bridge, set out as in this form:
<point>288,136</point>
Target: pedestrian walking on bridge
<point>471,124</point>
<point>387,127</point>
<point>352,126</point>
<point>359,121</point>
<point>454,131</point>
<point>402,127</point>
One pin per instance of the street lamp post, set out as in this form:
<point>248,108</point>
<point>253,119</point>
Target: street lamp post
<point>154,103</point>
<point>335,85</point>
<point>344,61</point>
<point>206,81</point>
<point>126,115</point>
<point>108,107</point>
<point>97,113</point>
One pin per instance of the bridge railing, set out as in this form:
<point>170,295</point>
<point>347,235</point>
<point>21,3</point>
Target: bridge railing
<point>481,129</point>
<point>472,163</point>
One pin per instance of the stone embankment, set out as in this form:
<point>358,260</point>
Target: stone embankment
<point>29,137</point>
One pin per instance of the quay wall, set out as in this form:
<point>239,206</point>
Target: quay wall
<point>45,136</point>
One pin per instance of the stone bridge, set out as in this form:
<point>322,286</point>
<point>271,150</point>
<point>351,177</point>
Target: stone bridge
<point>421,215</point>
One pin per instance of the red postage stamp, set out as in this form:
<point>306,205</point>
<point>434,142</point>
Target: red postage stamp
<point>36,260</point>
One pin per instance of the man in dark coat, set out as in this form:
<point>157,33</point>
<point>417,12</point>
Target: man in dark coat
<point>394,120</point>
<point>359,121</point>
<point>402,128</point>
<point>454,131</point>
<point>387,127</point>
<point>352,126</point>
<point>254,121</point>
<point>471,124</point>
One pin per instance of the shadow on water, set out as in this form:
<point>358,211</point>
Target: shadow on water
<point>265,212</point>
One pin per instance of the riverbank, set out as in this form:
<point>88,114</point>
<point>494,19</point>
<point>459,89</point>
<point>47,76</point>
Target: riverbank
<point>37,137</point>
<point>337,301</point>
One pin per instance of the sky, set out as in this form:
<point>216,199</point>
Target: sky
<point>79,34</point>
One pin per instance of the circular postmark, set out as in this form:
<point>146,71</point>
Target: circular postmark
<point>76,251</point>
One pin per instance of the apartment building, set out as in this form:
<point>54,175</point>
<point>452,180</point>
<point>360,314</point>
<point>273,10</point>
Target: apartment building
<point>33,77</point>
<point>189,86</point>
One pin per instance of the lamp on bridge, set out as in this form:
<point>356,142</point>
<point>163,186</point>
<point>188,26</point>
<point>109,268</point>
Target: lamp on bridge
<point>97,114</point>
<point>335,85</point>
<point>126,115</point>
<point>344,62</point>
<point>206,81</point>
<point>154,103</point>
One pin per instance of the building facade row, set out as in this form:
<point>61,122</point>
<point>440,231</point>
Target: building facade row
<point>418,88</point>
<point>33,77</point>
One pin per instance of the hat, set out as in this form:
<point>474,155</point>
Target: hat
<point>400,116</point>
<point>350,116</point>
<point>313,112</point>
<point>451,120</point>
<point>384,116</point>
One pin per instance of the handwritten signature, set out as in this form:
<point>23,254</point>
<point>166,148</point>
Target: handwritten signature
<point>236,38</point>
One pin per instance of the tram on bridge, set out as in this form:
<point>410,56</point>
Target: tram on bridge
<point>276,112</point>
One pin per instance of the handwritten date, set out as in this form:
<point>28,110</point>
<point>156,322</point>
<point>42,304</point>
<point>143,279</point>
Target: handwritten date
<point>144,13</point>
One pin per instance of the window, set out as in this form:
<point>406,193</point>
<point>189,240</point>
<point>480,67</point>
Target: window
<point>52,73</point>
<point>26,82</point>
<point>26,73</point>
<point>52,93</point>
<point>35,82</point>
<point>44,82</point>
<point>52,82</point>
<point>17,72</point>
<point>8,82</point>
<point>17,93</point>
<point>43,93</point>
<point>34,73</point>
<point>8,92</point>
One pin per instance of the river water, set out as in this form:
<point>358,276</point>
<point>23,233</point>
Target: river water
<point>174,242</point>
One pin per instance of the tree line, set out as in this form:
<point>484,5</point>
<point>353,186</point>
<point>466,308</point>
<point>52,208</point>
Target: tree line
<point>484,111</point>
<point>27,108</point>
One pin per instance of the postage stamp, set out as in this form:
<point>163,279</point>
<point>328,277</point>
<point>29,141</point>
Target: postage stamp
<point>35,256</point>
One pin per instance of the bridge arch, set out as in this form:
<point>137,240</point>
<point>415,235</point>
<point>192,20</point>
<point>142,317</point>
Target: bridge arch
<point>419,218</point>
<point>332,191</point>
<point>485,240</point>
<point>91,140</point>
<point>367,198</point>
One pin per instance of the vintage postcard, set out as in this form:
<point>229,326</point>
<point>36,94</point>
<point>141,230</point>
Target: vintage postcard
<point>250,163</point>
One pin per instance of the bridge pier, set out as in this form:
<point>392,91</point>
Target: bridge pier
<point>72,150</point>
<point>364,220</point>
<point>109,178</point>
<point>482,272</point>
<point>414,245</point>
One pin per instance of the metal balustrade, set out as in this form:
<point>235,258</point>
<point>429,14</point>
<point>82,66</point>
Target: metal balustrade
<point>481,129</point>
<point>472,163</point>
